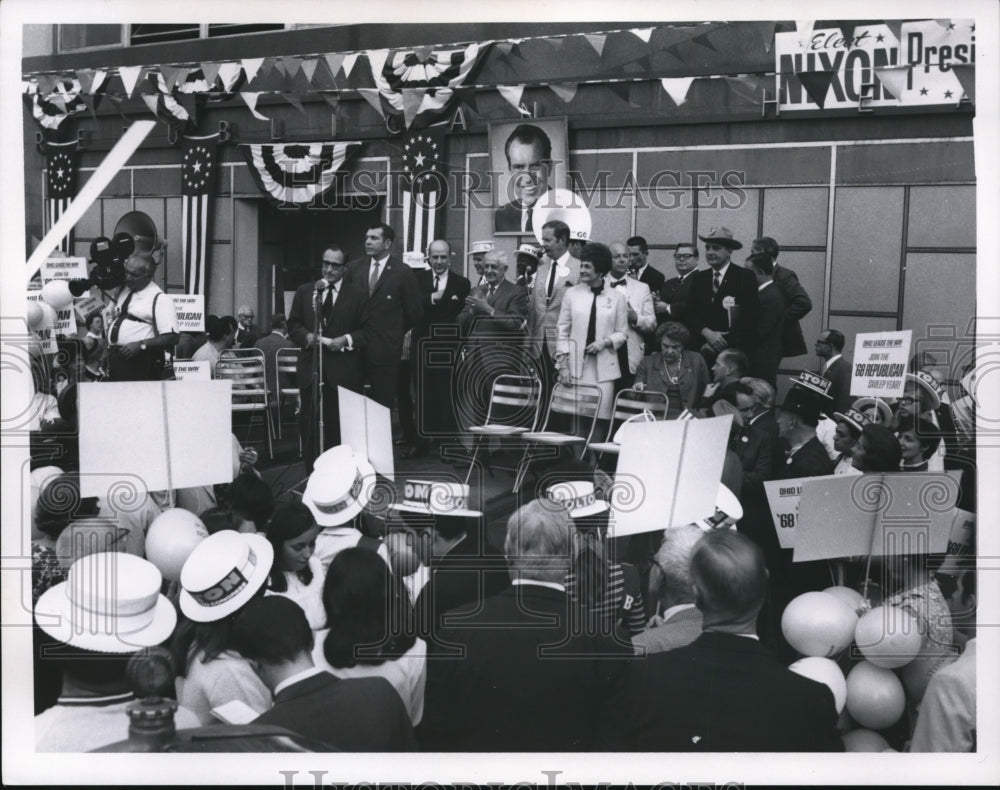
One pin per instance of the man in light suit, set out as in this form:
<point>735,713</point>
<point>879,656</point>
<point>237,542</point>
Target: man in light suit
<point>799,304</point>
<point>392,307</point>
<point>557,271</point>
<point>641,315</point>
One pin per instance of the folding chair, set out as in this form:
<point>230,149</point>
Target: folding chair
<point>580,400</point>
<point>629,403</point>
<point>244,367</point>
<point>286,362</point>
<point>513,410</point>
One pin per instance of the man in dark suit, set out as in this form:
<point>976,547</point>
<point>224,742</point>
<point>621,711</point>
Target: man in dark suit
<point>829,348</point>
<point>536,675</point>
<point>766,349</point>
<point>246,332</point>
<point>798,303</point>
<point>442,295</point>
<point>269,344</point>
<point>351,715</point>
<point>725,692</point>
<point>529,158</point>
<point>638,253</point>
<point>342,340</point>
<point>392,307</point>
<point>671,300</point>
<point>722,304</point>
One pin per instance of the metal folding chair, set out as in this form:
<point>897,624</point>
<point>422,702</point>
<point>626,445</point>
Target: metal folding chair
<point>244,367</point>
<point>580,400</point>
<point>513,411</point>
<point>629,403</point>
<point>286,362</point>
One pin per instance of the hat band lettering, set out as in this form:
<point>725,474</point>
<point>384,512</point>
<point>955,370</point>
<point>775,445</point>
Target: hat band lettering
<point>346,501</point>
<point>228,587</point>
<point>576,503</point>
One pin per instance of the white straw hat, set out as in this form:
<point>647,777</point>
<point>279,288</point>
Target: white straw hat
<point>223,573</point>
<point>577,497</point>
<point>436,498</point>
<point>339,487</point>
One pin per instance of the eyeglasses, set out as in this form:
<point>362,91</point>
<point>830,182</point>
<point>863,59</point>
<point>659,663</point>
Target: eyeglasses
<point>682,257</point>
<point>907,399</point>
<point>246,315</point>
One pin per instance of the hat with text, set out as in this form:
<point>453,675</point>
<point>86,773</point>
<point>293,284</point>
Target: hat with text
<point>436,498</point>
<point>878,405</point>
<point>223,573</point>
<point>577,497</point>
<point>339,487</point>
<point>530,250</point>
<point>723,236</point>
<point>929,385</point>
<point>853,417</point>
<point>480,247</point>
<point>809,395</point>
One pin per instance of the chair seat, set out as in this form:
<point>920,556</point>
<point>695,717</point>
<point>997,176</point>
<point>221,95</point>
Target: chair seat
<point>552,437</point>
<point>606,447</point>
<point>498,430</point>
<point>249,407</point>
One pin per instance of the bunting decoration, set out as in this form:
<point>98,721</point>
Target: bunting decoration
<point>677,88</point>
<point>296,174</point>
<point>56,105</point>
<point>423,187</point>
<point>420,89</point>
<point>198,166</point>
<point>61,165</point>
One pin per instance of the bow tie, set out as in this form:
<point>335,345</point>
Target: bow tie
<point>616,283</point>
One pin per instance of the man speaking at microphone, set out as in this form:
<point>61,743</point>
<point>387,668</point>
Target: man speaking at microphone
<point>340,339</point>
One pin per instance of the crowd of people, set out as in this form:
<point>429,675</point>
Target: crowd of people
<point>416,627</point>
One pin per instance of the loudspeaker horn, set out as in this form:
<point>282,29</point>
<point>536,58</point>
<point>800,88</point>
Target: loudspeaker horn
<point>142,229</point>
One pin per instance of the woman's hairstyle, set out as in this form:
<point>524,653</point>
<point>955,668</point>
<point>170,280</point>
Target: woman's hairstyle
<point>289,521</point>
<point>882,453</point>
<point>252,498</point>
<point>927,433</point>
<point>369,612</point>
<point>599,256</point>
<point>219,518</point>
<point>91,316</point>
<point>674,330</point>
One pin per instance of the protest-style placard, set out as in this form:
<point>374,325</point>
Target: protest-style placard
<point>192,370</point>
<point>64,269</point>
<point>366,426</point>
<point>190,310</point>
<point>88,303</point>
<point>878,368</point>
<point>162,434</point>
<point>668,474</point>
<point>877,514</point>
<point>66,322</point>
<point>783,497</point>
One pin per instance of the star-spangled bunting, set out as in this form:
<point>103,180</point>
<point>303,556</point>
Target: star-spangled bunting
<point>198,164</point>
<point>423,187</point>
<point>296,174</point>
<point>60,180</point>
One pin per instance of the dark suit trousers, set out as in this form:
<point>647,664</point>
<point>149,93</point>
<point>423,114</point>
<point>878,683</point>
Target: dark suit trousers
<point>404,401</point>
<point>309,423</point>
<point>384,381</point>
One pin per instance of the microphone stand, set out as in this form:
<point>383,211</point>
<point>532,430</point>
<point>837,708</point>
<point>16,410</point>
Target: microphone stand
<point>318,368</point>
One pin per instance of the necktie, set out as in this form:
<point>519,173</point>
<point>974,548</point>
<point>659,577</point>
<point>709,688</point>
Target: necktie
<point>437,282</point>
<point>373,278</point>
<point>122,314</point>
<point>552,280</point>
<point>618,283</point>
<point>592,323</point>
<point>716,281</point>
<point>490,294</point>
<point>327,305</point>
<point>526,213</point>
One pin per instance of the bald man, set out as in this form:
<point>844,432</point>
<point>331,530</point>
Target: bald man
<point>246,332</point>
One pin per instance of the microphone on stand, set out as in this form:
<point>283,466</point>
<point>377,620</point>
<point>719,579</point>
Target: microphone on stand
<point>321,284</point>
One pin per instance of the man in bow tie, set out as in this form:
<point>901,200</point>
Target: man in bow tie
<point>641,317</point>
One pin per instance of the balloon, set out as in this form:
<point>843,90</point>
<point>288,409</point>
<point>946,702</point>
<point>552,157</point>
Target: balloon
<point>917,674</point>
<point>875,697</point>
<point>824,671</point>
<point>48,316</point>
<point>818,624</point>
<point>171,538</point>
<point>34,315</point>
<point>56,294</point>
<point>888,636</point>
<point>864,741</point>
<point>851,597</point>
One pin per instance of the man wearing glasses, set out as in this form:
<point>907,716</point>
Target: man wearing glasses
<point>340,339</point>
<point>670,300</point>
<point>246,332</point>
<point>829,348</point>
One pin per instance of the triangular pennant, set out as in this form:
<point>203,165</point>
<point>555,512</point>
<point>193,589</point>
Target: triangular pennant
<point>766,32</point>
<point>349,60</point>
<point>966,74</point>
<point>597,41</point>
<point>333,99</point>
<point>847,30</point>
<point>190,101</point>
<point>293,66</point>
<point>334,61</point>
<point>152,101</point>
<point>750,87</point>
<point>643,33</point>
<point>294,100</point>
<point>251,66</point>
<point>555,41</point>
<point>211,71</point>
<point>279,66</point>
<point>45,83</point>
<point>512,93</point>
<point>251,100</point>
<point>804,27</point>
<point>86,78</point>
<point>130,76</point>
<point>171,74</point>
<point>266,68</point>
<point>309,68</point>
<point>893,78</point>
<point>412,98</point>
<point>816,83</point>
<point>505,47</point>
<point>677,88</point>
<point>423,53</point>
<point>90,102</point>
<point>619,89</point>
<point>372,96</point>
<point>468,98</point>
<point>229,73</point>
<point>566,91</point>
<point>100,79</point>
<point>703,41</point>
<point>895,27</point>
<point>376,61</point>
<point>60,102</point>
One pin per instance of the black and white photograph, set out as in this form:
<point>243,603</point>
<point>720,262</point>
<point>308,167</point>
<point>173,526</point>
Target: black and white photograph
<point>645,358</point>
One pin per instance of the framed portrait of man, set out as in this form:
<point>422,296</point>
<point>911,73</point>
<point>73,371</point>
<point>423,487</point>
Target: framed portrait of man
<point>528,157</point>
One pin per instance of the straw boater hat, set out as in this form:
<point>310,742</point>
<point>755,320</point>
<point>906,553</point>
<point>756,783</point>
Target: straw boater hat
<point>339,487</point>
<point>577,497</point>
<point>723,236</point>
<point>436,499</point>
<point>809,395</point>
<point>223,573</point>
<point>879,404</point>
<point>109,603</point>
<point>480,247</point>
<point>728,505</point>
<point>928,384</point>
<point>853,417</point>
<point>528,249</point>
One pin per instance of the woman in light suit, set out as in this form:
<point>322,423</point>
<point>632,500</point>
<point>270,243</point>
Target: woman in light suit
<point>588,354</point>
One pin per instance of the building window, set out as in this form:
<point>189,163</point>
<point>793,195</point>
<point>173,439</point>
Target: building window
<point>239,29</point>
<point>76,37</point>
<point>156,34</point>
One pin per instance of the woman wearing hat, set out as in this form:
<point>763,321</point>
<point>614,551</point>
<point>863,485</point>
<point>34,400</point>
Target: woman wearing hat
<point>849,426</point>
<point>877,410</point>
<point>224,572</point>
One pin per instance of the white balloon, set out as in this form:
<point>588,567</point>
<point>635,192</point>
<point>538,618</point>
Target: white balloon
<point>851,597</point>
<point>34,315</point>
<point>888,636</point>
<point>864,741</point>
<point>818,624</point>
<point>875,697</point>
<point>171,538</point>
<point>56,293</point>
<point>824,671</point>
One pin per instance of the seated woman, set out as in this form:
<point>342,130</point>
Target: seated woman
<point>297,573</point>
<point>918,441</point>
<point>676,371</point>
<point>372,627</point>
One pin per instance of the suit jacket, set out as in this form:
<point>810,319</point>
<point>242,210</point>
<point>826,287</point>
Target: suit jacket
<point>839,373</point>
<point>612,322</point>
<point>270,344</point>
<point>532,678</point>
<point>753,446</point>
<point>245,338</point>
<point>765,352</point>
<point>693,379</point>
<point>768,423</point>
<point>352,715</point>
<point>726,693</point>
<point>511,305</point>
<point>793,344</point>
<point>654,278</point>
<point>639,298</point>
<point>507,219</point>
<point>390,310</point>
<point>448,306</point>
<point>705,310</point>
<point>676,289</point>
<point>339,367</point>
<point>810,460</point>
<point>544,313</point>
<point>682,628</point>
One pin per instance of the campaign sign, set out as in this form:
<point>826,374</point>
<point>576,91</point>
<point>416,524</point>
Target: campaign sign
<point>192,370</point>
<point>190,309</point>
<point>878,368</point>
<point>64,269</point>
